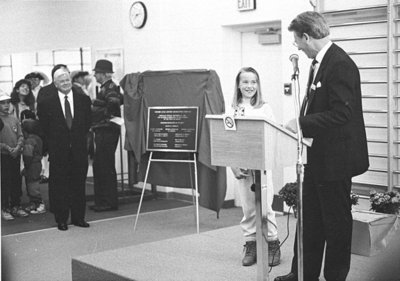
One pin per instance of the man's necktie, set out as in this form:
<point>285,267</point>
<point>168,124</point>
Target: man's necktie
<point>311,75</point>
<point>310,80</point>
<point>68,114</point>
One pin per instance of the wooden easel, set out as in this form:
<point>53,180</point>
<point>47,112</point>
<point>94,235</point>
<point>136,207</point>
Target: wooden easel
<point>151,159</point>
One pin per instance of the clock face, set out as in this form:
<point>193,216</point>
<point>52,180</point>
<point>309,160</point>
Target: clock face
<point>138,14</point>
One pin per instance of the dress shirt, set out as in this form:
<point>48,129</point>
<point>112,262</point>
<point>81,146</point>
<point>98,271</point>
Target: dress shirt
<point>61,96</point>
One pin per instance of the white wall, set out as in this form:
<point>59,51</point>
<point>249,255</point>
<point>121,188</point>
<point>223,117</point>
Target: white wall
<point>55,24</point>
<point>179,34</point>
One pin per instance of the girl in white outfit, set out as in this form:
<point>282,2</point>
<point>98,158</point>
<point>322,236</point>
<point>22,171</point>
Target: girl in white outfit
<point>247,101</point>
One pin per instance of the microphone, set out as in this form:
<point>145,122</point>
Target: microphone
<point>294,58</point>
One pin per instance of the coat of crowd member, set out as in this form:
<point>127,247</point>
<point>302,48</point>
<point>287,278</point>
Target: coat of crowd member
<point>32,157</point>
<point>332,115</point>
<point>65,118</point>
<point>42,94</point>
<point>11,146</point>
<point>106,135</point>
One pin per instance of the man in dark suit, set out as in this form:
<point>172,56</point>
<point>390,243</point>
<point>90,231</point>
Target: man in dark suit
<point>331,115</point>
<point>65,117</point>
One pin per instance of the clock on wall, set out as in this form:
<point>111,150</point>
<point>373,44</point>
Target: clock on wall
<point>138,14</point>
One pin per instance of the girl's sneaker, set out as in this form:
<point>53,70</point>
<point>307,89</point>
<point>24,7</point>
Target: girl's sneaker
<point>6,215</point>
<point>17,211</point>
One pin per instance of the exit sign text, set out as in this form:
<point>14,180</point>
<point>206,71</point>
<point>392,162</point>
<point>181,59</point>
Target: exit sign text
<point>246,5</point>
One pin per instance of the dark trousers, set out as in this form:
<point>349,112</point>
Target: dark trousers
<point>327,224</point>
<point>104,173</point>
<point>11,181</point>
<point>67,188</point>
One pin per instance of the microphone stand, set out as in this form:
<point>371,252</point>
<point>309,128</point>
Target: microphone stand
<point>300,173</point>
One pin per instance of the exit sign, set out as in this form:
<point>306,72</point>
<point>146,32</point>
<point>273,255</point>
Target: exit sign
<point>246,5</point>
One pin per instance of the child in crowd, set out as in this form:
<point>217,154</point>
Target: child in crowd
<point>11,145</point>
<point>247,101</point>
<point>32,156</point>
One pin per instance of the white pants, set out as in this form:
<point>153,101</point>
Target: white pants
<point>247,198</point>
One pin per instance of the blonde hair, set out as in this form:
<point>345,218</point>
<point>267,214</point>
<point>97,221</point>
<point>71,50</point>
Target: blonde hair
<point>257,100</point>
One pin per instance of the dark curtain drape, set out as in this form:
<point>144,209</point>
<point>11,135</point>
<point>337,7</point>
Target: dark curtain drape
<point>176,88</point>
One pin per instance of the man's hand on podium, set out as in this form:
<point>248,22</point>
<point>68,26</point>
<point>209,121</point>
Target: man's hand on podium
<point>240,173</point>
<point>292,125</point>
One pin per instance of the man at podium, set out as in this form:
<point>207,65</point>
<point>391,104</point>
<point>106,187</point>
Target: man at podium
<point>331,114</point>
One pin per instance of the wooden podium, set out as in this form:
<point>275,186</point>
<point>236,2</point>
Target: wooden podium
<point>258,144</point>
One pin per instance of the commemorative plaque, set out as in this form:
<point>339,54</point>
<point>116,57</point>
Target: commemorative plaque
<point>172,128</point>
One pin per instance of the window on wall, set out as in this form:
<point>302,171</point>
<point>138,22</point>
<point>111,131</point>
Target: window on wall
<point>6,78</point>
<point>14,67</point>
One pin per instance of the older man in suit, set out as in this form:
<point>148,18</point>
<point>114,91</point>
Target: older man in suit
<point>332,115</point>
<point>47,90</point>
<point>65,116</point>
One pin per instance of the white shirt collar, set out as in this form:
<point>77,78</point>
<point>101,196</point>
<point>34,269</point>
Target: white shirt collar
<point>322,52</point>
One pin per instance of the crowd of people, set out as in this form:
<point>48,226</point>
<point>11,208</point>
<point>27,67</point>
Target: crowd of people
<point>331,114</point>
<point>46,133</point>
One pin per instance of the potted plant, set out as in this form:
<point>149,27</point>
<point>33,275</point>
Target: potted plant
<point>385,202</point>
<point>289,194</point>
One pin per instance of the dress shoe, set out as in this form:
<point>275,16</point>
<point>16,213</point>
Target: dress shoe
<point>81,223</point>
<point>104,208</point>
<point>289,277</point>
<point>62,226</point>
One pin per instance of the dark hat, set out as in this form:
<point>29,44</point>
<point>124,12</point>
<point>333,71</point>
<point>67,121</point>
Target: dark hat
<point>34,75</point>
<point>103,66</point>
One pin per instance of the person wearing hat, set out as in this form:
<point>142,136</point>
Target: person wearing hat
<point>36,78</point>
<point>81,80</point>
<point>106,135</point>
<point>11,145</point>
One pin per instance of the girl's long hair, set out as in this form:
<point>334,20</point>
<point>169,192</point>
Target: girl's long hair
<point>257,100</point>
<point>29,99</point>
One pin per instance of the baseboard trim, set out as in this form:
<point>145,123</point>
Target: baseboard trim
<point>277,204</point>
<point>133,195</point>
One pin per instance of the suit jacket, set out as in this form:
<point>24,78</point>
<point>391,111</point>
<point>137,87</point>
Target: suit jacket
<point>45,92</point>
<point>60,140</point>
<point>334,119</point>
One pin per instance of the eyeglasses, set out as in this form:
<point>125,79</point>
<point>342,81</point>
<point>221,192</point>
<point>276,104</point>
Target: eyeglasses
<point>295,44</point>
